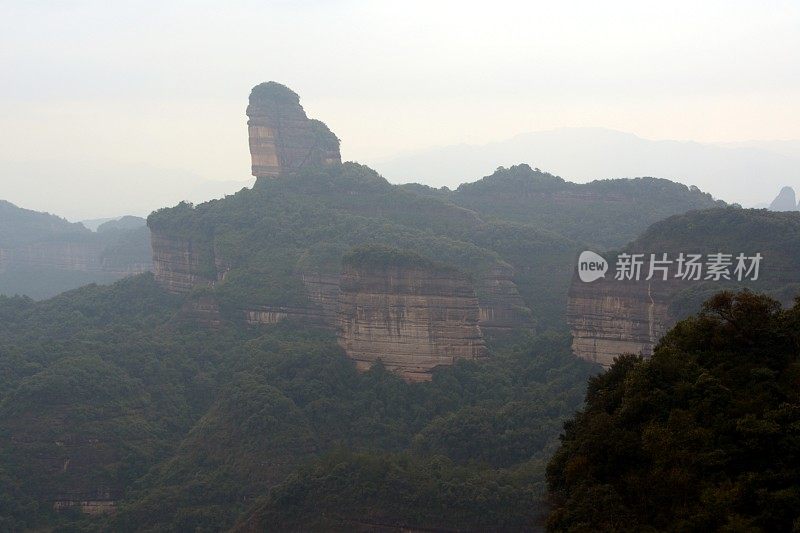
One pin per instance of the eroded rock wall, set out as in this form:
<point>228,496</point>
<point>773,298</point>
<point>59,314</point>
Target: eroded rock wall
<point>178,264</point>
<point>410,318</point>
<point>610,318</point>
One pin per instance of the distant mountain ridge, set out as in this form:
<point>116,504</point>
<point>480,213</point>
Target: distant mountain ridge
<point>42,255</point>
<point>785,201</point>
<point>603,213</point>
<point>741,172</point>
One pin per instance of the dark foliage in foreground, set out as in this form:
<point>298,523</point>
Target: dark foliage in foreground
<point>704,436</point>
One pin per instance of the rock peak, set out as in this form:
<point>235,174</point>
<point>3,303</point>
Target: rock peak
<point>282,138</point>
<point>785,201</point>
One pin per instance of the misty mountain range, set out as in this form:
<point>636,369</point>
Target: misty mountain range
<point>748,173</point>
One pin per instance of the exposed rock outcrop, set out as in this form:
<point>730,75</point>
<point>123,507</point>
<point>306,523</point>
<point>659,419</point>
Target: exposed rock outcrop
<point>609,317</point>
<point>282,137</point>
<point>410,316</point>
<point>178,264</point>
<point>78,256</point>
<point>785,201</point>
<point>323,291</point>
<point>99,502</point>
<point>268,314</point>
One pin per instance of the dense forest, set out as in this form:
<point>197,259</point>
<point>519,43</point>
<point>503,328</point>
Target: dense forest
<point>602,214</point>
<point>703,436</point>
<point>306,221</point>
<point>194,429</point>
<point>119,396</point>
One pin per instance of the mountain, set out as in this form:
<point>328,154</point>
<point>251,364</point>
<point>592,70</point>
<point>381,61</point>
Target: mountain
<point>612,316</point>
<point>42,255</point>
<point>124,223</point>
<point>322,351</point>
<point>118,414</point>
<point>738,174</point>
<point>701,437</point>
<point>602,214</point>
<point>785,201</point>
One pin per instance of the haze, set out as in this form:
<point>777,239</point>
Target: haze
<point>123,107</point>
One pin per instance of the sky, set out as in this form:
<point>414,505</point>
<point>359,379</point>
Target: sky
<point>121,85</point>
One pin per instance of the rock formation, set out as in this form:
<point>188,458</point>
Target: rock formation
<point>282,137</point>
<point>610,317</point>
<point>411,317</point>
<point>785,201</point>
<point>178,263</point>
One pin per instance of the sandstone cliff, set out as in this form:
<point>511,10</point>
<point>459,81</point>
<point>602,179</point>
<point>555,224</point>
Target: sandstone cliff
<point>178,263</point>
<point>610,317</point>
<point>412,316</point>
<point>274,253</point>
<point>282,137</point>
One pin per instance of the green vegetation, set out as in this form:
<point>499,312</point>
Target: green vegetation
<point>192,428</point>
<point>730,230</point>
<point>22,226</point>
<point>308,221</point>
<point>378,256</point>
<point>704,436</point>
<point>111,393</point>
<point>603,214</point>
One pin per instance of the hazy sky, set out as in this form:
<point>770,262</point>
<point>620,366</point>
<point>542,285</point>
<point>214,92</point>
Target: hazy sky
<point>165,83</point>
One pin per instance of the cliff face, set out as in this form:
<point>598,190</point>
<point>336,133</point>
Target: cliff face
<point>411,318</point>
<point>610,318</point>
<point>282,137</point>
<point>274,253</point>
<point>177,263</point>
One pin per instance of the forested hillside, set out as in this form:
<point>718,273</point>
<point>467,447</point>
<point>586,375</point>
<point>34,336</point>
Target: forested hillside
<point>110,396</point>
<point>703,436</point>
<point>602,213</point>
<point>42,255</point>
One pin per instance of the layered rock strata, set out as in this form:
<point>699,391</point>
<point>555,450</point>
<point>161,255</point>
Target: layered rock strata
<point>178,264</point>
<point>609,318</point>
<point>282,137</point>
<point>411,318</point>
